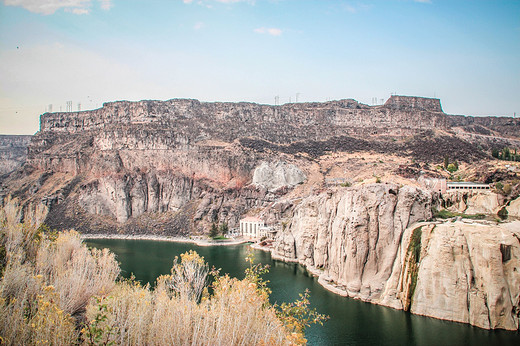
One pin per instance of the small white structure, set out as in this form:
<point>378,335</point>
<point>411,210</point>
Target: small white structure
<point>233,233</point>
<point>252,228</point>
<point>467,186</point>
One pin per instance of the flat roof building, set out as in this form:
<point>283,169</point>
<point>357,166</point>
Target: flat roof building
<point>467,186</point>
<point>252,228</point>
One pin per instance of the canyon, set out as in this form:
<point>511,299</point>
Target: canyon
<point>338,180</point>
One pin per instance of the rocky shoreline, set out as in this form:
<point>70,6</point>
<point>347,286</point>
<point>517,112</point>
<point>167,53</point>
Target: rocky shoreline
<point>198,242</point>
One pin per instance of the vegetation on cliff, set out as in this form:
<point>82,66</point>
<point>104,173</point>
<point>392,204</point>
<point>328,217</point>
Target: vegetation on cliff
<point>54,290</point>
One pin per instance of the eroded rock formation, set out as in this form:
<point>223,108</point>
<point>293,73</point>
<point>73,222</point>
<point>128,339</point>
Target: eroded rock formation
<point>368,243</point>
<point>274,175</point>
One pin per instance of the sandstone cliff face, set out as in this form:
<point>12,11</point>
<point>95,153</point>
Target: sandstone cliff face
<point>469,273</point>
<point>353,235</point>
<point>366,243</point>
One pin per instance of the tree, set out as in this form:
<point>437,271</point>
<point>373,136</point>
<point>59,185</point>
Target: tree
<point>214,230</point>
<point>224,228</point>
<point>506,154</point>
<point>446,161</point>
<point>495,153</point>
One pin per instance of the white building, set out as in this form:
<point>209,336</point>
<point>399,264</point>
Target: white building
<point>252,228</point>
<point>467,186</point>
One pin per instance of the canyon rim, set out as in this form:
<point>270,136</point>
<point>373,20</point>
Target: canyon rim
<point>340,182</point>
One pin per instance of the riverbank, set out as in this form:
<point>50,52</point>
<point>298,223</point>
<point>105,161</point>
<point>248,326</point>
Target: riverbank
<point>196,241</point>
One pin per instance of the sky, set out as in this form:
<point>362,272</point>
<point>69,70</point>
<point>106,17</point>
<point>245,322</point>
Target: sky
<point>465,52</point>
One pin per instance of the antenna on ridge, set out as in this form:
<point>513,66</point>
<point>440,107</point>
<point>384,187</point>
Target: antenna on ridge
<point>276,100</point>
<point>297,95</point>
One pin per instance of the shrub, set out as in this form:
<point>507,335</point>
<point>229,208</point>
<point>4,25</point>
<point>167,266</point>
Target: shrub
<point>451,168</point>
<point>46,297</point>
<point>502,213</point>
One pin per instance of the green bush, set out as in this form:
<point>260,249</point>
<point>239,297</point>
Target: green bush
<point>446,214</point>
<point>451,168</point>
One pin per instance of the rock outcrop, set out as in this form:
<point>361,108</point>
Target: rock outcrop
<point>513,209</point>
<point>274,175</point>
<point>353,235</point>
<point>471,202</point>
<point>468,272</point>
<point>368,243</point>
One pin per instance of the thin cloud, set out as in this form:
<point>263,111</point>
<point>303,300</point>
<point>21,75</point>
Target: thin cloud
<point>106,4</point>
<point>47,7</point>
<point>78,10</point>
<point>208,2</point>
<point>270,31</point>
<point>199,26</point>
<point>356,7</point>
<point>424,1</point>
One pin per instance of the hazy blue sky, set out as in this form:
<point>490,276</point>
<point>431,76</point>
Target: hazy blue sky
<point>467,53</point>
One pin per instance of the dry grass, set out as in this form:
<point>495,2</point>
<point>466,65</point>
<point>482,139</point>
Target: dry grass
<point>54,290</point>
<point>236,314</point>
<point>45,282</point>
<point>77,272</point>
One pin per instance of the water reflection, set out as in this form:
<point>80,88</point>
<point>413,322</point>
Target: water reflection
<point>352,322</point>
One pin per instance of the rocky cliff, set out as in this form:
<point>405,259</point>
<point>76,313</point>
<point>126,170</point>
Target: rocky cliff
<point>124,166</point>
<point>175,167</point>
<point>369,243</point>
<point>13,152</point>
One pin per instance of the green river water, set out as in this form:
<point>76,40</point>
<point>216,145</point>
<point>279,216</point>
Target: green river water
<point>352,322</point>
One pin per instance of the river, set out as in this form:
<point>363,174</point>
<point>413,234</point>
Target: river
<point>352,322</point>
